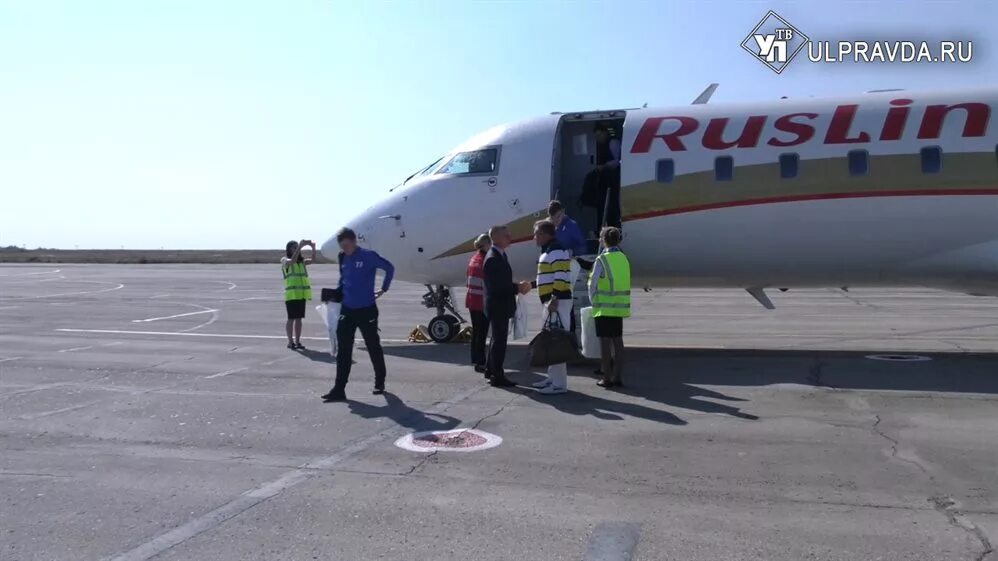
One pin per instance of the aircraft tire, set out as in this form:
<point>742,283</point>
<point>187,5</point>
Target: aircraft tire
<point>443,328</point>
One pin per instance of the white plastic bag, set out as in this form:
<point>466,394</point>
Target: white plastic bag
<point>330,314</point>
<point>573,273</point>
<point>590,343</point>
<point>520,319</point>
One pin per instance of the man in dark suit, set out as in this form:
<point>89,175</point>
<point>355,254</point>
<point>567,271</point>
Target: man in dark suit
<point>500,303</point>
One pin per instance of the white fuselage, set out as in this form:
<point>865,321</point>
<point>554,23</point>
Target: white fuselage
<point>893,188</point>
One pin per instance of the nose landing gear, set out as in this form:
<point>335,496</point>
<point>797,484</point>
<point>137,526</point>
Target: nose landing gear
<point>444,327</point>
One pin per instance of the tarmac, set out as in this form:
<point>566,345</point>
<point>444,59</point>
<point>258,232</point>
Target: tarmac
<point>153,412</point>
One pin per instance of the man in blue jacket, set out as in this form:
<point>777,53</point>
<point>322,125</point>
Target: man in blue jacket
<point>358,267</point>
<point>569,236</point>
<point>567,231</point>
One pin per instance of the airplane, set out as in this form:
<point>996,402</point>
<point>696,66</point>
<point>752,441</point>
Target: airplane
<point>887,188</point>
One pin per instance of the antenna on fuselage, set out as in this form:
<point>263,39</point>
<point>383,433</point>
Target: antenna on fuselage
<point>704,97</point>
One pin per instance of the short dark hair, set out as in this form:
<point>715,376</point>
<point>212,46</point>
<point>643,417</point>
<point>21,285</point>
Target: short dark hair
<point>289,248</point>
<point>544,227</point>
<point>346,234</point>
<point>610,236</point>
<point>554,207</point>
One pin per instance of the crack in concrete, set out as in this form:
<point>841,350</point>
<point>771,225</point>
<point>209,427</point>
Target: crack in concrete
<point>497,413</point>
<point>943,504</point>
<point>894,449</point>
<point>432,455</point>
<point>947,507</point>
<point>816,376</point>
<point>418,465</point>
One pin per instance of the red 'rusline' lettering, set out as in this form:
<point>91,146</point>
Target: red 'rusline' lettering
<point>838,129</point>
<point>897,117</point>
<point>786,123</point>
<point>975,125</point>
<point>649,132</point>
<point>713,136</point>
<point>799,127</point>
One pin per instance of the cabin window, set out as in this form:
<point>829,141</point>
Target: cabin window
<point>788,165</point>
<point>724,168</point>
<point>485,161</point>
<point>932,159</point>
<point>665,170</point>
<point>859,162</point>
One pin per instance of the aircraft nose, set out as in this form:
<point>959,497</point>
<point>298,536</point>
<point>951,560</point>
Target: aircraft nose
<point>330,247</point>
<point>363,226</point>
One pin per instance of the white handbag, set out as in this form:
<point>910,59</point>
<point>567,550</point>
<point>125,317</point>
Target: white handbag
<point>330,314</point>
<point>590,343</point>
<point>520,319</point>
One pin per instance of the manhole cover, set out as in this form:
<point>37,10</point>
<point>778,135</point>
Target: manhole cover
<point>899,358</point>
<point>456,440</point>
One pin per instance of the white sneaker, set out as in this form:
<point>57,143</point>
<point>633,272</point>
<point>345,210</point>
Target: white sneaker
<point>542,384</point>
<point>551,390</point>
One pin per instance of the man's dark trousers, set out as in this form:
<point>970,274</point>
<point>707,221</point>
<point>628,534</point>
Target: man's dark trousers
<point>365,319</point>
<point>499,324</point>
<point>479,337</point>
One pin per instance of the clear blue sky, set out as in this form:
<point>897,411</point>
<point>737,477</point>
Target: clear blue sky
<point>213,124</point>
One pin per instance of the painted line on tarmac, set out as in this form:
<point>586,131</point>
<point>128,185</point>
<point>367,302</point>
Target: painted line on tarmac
<point>112,289</point>
<point>213,319</point>
<point>613,541</point>
<point>74,349</point>
<point>33,416</point>
<point>9,359</point>
<point>78,293</point>
<point>182,334</point>
<point>276,360</point>
<point>219,335</point>
<point>253,497</point>
<point>226,373</point>
<point>206,311</point>
<point>38,273</point>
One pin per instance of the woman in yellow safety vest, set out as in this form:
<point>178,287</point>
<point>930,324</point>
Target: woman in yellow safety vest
<point>297,289</point>
<point>610,294</point>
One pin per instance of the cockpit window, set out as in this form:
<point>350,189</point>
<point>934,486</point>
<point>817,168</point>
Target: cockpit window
<point>425,171</point>
<point>485,161</point>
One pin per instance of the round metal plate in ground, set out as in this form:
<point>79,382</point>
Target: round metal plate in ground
<point>899,358</point>
<point>456,440</point>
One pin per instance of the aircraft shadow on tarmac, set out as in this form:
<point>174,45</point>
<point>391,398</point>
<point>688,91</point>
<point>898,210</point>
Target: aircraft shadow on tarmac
<point>674,394</point>
<point>403,415</point>
<point>671,375</point>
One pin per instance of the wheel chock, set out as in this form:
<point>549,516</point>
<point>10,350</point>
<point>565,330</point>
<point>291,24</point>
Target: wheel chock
<point>420,334</point>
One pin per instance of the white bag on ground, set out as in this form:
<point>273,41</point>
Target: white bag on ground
<point>520,319</point>
<point>330,314</point>
<point>590,343</point>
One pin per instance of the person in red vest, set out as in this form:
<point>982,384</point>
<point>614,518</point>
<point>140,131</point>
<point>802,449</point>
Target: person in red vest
<point>475,302</point>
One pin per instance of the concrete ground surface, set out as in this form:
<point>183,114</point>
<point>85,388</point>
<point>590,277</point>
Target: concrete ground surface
<point>153,412</point>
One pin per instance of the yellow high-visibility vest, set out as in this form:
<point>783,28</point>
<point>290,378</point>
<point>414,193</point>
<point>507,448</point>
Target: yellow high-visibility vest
<point>296,283</point>
<point>613,289</point>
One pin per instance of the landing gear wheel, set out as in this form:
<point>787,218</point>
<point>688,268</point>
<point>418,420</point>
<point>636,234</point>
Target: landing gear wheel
<point>443,328</point>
